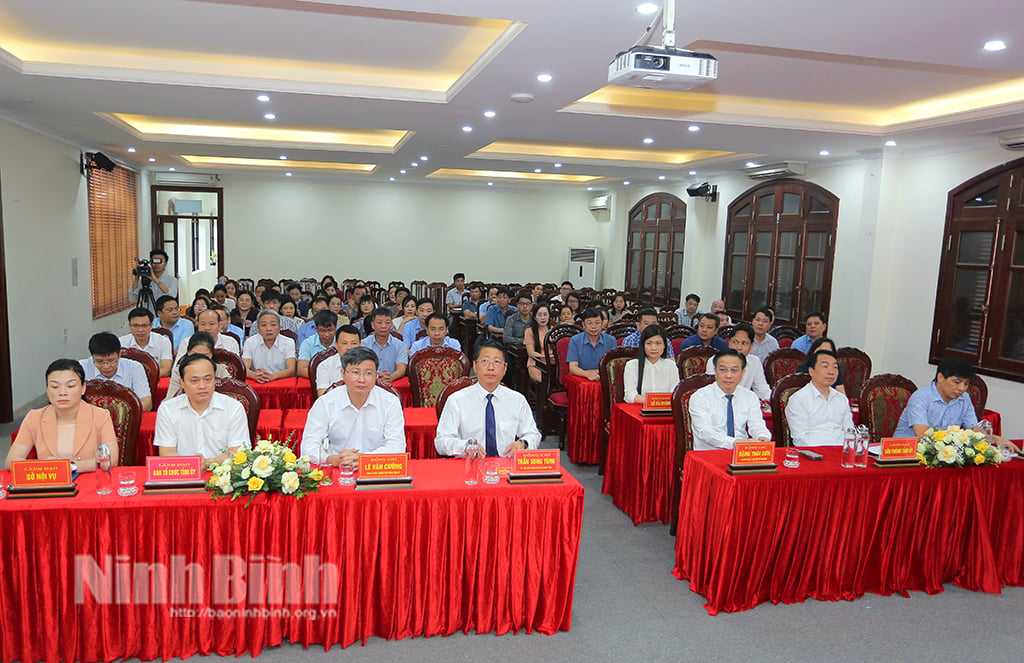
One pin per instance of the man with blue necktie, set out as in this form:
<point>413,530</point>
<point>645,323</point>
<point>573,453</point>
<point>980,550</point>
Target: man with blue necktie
<point>725,412</point>
<point>497,417</point>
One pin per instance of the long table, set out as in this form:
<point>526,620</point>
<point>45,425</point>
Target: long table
<point>638,472</point>
<point>335,567</point>
<point>824,532</point>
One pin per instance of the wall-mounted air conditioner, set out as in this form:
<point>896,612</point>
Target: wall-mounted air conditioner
<point>1012,140</point>
<point>583,266</point>
<point>184,179</point>
<point>598,203</point>
<point>781,169</point>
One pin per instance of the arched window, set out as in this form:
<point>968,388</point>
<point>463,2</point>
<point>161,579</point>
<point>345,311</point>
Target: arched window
<point>979,305</point>
<point>654,248</point>
<point>778,251</point>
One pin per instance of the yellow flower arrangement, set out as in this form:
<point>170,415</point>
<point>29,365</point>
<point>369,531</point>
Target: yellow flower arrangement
<point>255,484</point>
<point>269,467</point>
<point>956,447</point>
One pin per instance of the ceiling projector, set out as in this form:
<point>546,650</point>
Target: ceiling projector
<point>662,68</point>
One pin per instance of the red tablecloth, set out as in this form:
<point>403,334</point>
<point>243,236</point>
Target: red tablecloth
<point>583,434</point>
<point>828,533</point>
<point>440,558</point>
<point>405,390</point>
<point>638,472</point>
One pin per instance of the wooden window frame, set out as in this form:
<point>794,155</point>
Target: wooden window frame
<point>646,217</point>
<point>113,237</point>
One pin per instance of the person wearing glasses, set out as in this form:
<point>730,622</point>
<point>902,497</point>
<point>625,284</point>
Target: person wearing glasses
<point>355,418</point>
<point>105,363</point>
<point>160,281</point>
<point>497,417</point>
<point>142,337</point>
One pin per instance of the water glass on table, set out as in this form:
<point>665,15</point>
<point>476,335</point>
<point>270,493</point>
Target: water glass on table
<point>849,448</point>
<point>792,458</point>
<point>491,472</point>
<point>126,484</point>
<point>346,475</point>
<point>104,482</point>
<point>861,453</point>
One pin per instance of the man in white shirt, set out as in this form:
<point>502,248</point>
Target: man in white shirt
<point>753,375</point>
<point>437,336</point>
<point>497,417</point>
<point>724,412</point>
<point>200,422</point>
<point>209,322</point>
<point>142,337</point>
<point>356,418</point>
<point>329,370</point>
<point>105,363</point>
<point>818,414</point>
<point>764,343</point>
<point>563,292</point>
<point>269,355</point>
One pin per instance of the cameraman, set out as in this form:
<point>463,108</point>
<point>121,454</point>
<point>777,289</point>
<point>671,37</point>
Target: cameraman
<point>160,281</point>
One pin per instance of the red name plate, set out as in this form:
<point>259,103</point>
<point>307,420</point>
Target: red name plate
<point>174,468</point>
<point>40,473</point>
<point>532,461</point>
<point>753,453</point>
<point>657,401</point>
<point>380,466</point>
<point>898,448</point>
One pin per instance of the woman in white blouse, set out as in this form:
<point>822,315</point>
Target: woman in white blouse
<point>652,372</point>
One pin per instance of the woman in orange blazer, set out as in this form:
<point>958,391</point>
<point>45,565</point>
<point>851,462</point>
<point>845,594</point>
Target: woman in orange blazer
<point>68,427</point>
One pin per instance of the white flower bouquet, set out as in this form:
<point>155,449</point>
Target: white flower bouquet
<point>956,447</point>
<point>269,467</point>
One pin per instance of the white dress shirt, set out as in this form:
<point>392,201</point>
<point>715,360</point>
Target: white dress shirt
<point>130,373</point>
<point>708,417</point>
<point>659,378</point>
<point>464,414</point>
<point>816,421</point>
<point>222,426</point>
<point>329,371</point>
<point>158,346</point>
<point>377,427</point>
<point>270,359</point>
<point>753,376</point>
<point>223,342</point>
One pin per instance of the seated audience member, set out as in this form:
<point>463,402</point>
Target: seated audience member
<point>268,355</point>
<point>753,375</point>
<point>566,316</point>
<point>943,403</point>
<point>105,363</point>
<point>707,334</point>
<point>764,343</point>
<point>563,292</point>
<point>723,319</point>
<point>289,316</point>
<point>618,308</point>
<point>68,427</point>
<point>363,319</point>
<point>308,329</point>
<point>231,286</point>
<point>200,303</point>
<point>209,322</point>
<point>587,347</point>
<point>723,412</point>
<point>326,325</point>
<point>271,300</point>
<point>294,292</point>
<point>648,317</point>
<point>142,337</point>
<point>337,306</point>
<point>169,317</point>
<point>818,415</point>
<point>652,372</point>
<point>535,337</point>
<point>471,305</point>
<point>517,323</point>
<point>437,336</point>
<point>200,422</point>
<point>199,343</point>
<point>329,370</point>
<point>226,326</point>
<point>392,354</point>
<point>687,313</point>
<point>408,314</point>
<point>718,306</point>
<point>537,292</point>
<point>220,295</point>
<point>497,417</point>
<point>258,293</point>
<point>498,313</point>
<point>824,343</point>
<point>815,325</point>
<point>453,298</point>
<point>573,302</point>
<point>491,300</point>
<point>424,307</point>
<point>397,308</point>
<point>352,305</point>
<point>355,418</point>
<point>245,313</point>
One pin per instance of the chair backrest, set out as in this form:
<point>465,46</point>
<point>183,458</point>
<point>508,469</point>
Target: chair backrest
<point>295,339</point>
<point>451,388</point>
<point>422,333</point>
<point>556,345</point>
<point>684,430</point>
<point>677,334</point>
<point>978,391</point>
<point>611,369</point>
<point>782,362</point>
<point>667,318</point>
<point>781,392</point>
<point>169,335</point>
<point>725,331</point>
<point>433,369</point>
<point>231,361</point>
<point>234,336</point>
<point>856,367</point>
<point>882,401</point>
<point>245,395</point>
<point>125,410</point>
<point>149,363</point>
<point>314,364</point>
<point>621,330</point>
<point>785,335</point>
<point>694,361</point>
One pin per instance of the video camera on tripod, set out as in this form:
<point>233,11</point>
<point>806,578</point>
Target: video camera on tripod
<point>142,268</point>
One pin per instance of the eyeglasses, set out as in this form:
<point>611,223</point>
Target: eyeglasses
<point>497,363</point>
<point>110,361</point>
<point>140,325</point>
<point>361,374</point>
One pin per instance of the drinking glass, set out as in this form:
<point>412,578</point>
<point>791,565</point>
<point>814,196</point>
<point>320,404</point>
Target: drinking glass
<point>325,467</point>
<point>849,448</point>
<point>491,472</point>
<point>792,458</point>
<point>126,483</point>
<point>346,475</point>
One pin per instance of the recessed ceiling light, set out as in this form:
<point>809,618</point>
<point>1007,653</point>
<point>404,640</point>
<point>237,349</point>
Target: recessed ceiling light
<point>890,143</point>
<point>661,177</point>
<point>490,184</point>
<point>558,165</point>
<point>269,116</point>
<point>403,171</point>
<point>536,170</point>
<point>467,128</point>
<point>414,164</point>
<point>648,140</point>
<point>693,127</point>
<point>823,153</point>
<point>646,8</point>
<point>263,97</point>
<point>152,159</point>
<point>288,174</point>
<point>626,183</point>
<point>590,188</point>
<point>544,78</point>
<point>995,45</point>
<point>283,157</point>
<point>423,157</point>
<point>391,179</point>
<point>489,114</point>
<point>172,169</point>
<point>751,164</point>
<point>694,172</point>
<point>131,150</point>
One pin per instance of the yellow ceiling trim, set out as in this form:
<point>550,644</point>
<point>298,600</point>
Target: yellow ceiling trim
<point>278,164</point>
<point>593,153</point>
<point>464,173</point>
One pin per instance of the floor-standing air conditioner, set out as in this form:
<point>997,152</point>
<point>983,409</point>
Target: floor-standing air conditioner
<point>583,267</point>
